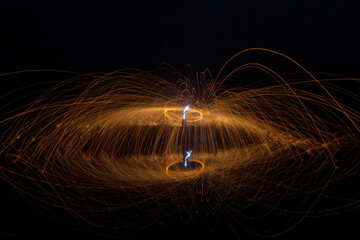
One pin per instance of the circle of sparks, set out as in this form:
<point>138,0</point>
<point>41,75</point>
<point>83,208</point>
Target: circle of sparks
<point>176,170</point>
<point>174,114</point>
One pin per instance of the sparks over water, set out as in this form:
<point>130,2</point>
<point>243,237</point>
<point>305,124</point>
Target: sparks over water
<point>101,146</point>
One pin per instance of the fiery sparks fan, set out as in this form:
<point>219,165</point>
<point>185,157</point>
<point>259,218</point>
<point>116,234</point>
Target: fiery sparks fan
<point>131,145</point>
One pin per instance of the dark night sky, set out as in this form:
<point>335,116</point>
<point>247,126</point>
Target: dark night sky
<point>103,36</point>
<point>100,36</point>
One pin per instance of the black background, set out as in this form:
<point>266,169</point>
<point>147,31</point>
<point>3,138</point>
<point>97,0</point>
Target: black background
<point>103,36</point>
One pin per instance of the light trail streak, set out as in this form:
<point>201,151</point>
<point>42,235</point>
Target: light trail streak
<point>184,112</point>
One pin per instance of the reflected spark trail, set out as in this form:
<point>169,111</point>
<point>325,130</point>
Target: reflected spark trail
<point>115,150</point>
<point>188,155</point>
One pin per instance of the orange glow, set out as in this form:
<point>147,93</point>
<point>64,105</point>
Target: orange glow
<point>175,114</point>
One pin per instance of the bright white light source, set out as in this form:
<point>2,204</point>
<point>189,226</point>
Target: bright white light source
<point>185,110</point>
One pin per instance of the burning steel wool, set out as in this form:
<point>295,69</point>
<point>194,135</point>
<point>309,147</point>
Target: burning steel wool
<point>161,144</point>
